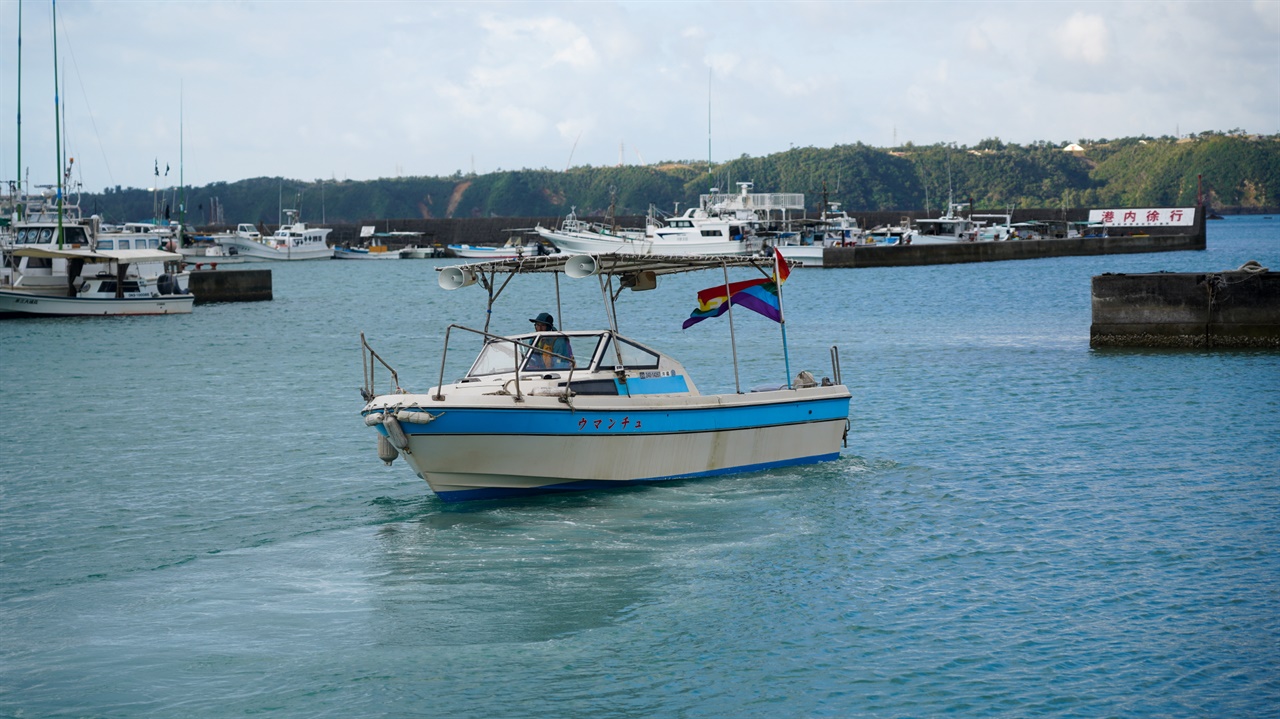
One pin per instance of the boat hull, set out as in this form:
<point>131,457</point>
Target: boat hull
<point>253,251</point>
<point>491,449</point>
<point>345,253</point>
<point>472,252</point>
<point>586,243</point>
<point>801,255</point>
<point>25,304</point>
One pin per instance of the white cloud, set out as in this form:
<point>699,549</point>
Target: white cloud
<point>355,89</point>
<point>1084,38</point>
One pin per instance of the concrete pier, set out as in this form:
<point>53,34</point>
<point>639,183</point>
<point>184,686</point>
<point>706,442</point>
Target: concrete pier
<point>1234,308</point>
<point>1131,239</point>
<point>957,252</point>
<point>230,286</point>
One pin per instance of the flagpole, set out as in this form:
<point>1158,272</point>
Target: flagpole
<point>733,340</point>
<point>782,318</point>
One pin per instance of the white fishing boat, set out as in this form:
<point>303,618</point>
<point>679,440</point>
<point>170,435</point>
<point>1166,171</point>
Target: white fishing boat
<point>900,234</point>
<point>293,241</point>
<point>111,290</point>
<point>48,271</point>
<point>421,252</point>
<point>834,229</point>
<point>548,411</point>
<point>373,246</point>
<point>513,247</point>
<point>367,252</point>
<point>203,250</point>
<point>211,255</point>
<point>950,228</point>
<point>720,225</point>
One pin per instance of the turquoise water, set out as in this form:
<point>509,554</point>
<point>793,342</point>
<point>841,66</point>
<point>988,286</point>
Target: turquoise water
<point>194,521</point>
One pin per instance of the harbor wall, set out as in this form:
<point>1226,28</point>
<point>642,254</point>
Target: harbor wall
<point>497,230</point>
<point>905,255</point>
<point>230,286</point>
<point>1237,308</point>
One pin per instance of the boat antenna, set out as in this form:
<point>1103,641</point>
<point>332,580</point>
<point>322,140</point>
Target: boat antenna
<point>709,74</point>
<point>949,188</point>
<point>182,177</point>
<point>56,124</point>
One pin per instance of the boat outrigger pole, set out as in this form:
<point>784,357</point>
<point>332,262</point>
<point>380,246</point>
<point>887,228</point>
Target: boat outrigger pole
<point>782,317</point>
<point>733,340</point>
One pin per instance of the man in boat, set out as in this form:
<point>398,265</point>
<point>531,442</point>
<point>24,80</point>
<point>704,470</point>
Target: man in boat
<point>546,345</point>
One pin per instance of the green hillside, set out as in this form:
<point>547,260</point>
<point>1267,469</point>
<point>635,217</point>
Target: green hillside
<point>1237,171</point>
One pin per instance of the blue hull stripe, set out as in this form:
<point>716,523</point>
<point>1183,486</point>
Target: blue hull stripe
<point>563,421</point>
<point>467,495</point>
<point>657,385</point>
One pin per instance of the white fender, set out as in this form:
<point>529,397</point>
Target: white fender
<point>405,415</point>
<point>386,452</point>
<point>394,433</point>
<point>373,419</point>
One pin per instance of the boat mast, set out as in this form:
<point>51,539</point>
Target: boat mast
<point>56,124</point>
<point>17,195</point>
<point>709,73</point>
<point>182,202</point>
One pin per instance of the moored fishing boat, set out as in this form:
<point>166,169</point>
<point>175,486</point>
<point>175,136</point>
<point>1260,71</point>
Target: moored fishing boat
<point>41,256</point>
<point>720,225</point>
<point>294,240</point>
<point>834,228</point>
<point>513,247</point>
<point>367,252</point>
<point>591,409</point>
<point>114,290</point>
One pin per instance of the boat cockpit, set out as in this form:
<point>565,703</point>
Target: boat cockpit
<point>585,362</point>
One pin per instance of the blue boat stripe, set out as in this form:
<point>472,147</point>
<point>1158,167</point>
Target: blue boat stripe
<point>567,422</point>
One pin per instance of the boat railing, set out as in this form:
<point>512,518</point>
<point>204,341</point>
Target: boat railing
<point>516,358</point>
<point>835,364</point>
<point>370,360</point>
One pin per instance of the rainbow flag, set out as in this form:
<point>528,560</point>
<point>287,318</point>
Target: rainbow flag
<point>759,295</point>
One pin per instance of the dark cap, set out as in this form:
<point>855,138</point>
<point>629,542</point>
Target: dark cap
<point>545,319</point>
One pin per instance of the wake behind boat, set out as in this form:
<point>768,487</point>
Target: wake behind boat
<point>591,409</point>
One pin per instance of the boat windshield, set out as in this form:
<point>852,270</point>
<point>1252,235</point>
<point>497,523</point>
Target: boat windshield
<point>499,356</point>
<point>496,357</point>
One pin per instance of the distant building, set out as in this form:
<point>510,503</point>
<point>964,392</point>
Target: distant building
<point>1073,147</point>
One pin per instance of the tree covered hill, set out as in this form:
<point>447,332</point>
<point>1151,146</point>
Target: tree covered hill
<point>1236,171</point>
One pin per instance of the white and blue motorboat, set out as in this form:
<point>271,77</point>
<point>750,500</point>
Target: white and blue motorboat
<point>576,410</point>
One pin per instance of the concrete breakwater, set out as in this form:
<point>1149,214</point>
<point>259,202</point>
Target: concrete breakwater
<point>1233,308</point>
<point>230,286</point>
<point>497,230</point>
<point>904,255</point>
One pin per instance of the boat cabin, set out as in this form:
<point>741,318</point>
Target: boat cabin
<point>72,235</point>
<point>584,362</point>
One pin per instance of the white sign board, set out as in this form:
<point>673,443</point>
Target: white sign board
<point>1161,216</point>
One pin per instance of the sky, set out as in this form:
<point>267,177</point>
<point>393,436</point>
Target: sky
<point>336,90</point>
